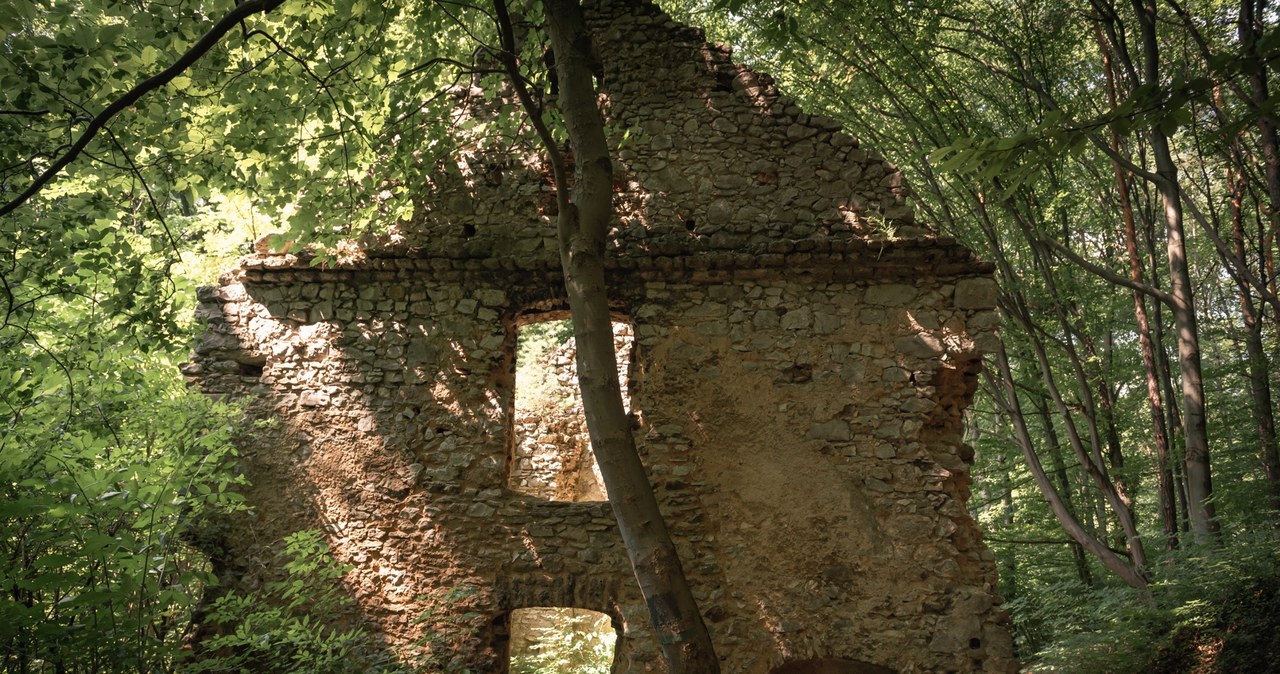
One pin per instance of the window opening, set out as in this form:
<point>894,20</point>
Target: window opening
<point>553,639</point>
<point>551,454</point>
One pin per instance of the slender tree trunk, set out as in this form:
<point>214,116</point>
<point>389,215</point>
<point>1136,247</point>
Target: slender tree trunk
<point>1164,373</point>
<point>1116,563</point>
<point>1250,26</point>
<point>1091,459</point>
<point>1204,524</point>
<point>1016,308</point>
<point>1009,574</point>
<point>583,222</point>
<point>1155,405</point>
<point>1259,370</point>
<point>1063,480</point>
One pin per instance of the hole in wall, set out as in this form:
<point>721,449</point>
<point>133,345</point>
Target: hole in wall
<point>690,224</point>
<point>468,231</point>
<point>250,369</point>
<point>557,639</point>
<point>551,456</point>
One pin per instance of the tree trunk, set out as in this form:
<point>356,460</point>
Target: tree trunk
<point>1013,408</point>
<point>1155,405</point>
<point>582,226</point>
<point>1059,466</point>
<point>1204,524</point>
<point>1091,459</point>
<point>1259,370</point>
<point>1250,27</point>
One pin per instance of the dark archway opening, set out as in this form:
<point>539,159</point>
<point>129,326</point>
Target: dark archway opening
<point>830,666</point>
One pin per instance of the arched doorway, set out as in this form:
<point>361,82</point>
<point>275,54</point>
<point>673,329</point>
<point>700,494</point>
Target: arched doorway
<point>830,666</point>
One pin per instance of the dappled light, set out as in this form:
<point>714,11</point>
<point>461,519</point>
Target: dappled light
<point>552,456</point>
<point>946,332</point>
<point>549,640</point>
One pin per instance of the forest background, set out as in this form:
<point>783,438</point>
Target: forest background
<point>1117,162</point>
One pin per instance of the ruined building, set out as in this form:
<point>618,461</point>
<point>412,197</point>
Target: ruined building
<point>801,354</point>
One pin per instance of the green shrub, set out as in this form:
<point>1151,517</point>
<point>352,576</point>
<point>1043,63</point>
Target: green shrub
<point>581,642</point>
<point>288,628</point>
<point>1214,612</point>
<point>105,463</point>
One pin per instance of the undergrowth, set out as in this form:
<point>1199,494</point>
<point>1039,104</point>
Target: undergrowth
<point>1214,612</point>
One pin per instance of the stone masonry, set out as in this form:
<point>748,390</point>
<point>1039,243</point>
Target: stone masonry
<point>803,352</point>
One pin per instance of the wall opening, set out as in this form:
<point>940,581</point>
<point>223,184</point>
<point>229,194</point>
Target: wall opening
<point>553,639</point>
<point>551,455</point>
<point>830,666</point>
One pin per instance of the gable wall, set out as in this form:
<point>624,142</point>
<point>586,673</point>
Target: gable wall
<point>803,352</point>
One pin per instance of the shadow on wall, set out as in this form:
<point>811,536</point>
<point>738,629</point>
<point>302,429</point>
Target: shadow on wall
<point>389,401</point>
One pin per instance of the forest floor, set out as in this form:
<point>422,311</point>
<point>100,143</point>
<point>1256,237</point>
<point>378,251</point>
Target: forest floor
<point>1242,637</point>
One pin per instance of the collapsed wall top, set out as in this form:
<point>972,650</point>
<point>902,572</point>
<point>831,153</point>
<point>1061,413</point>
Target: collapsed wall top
<point>708,156</point>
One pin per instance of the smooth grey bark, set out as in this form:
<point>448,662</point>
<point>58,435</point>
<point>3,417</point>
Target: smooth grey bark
<point>585,210</point>
<point>1090,458</point>
<point>1250,26</point>
<point>1015,306</point>
<point>1008,400</point>
<point>1155,403</point>
<point>1063,480</point>
<point>1259,366</point>
<point>1201,511</point>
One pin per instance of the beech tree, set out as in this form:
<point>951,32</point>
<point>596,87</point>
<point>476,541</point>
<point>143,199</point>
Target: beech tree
<point>582,224</point>
<point>1113,161</point>
<point>1117,162</point>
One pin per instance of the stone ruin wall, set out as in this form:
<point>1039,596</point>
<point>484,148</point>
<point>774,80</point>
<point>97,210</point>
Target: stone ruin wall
<point>803,352</point>
<point>709,156</point>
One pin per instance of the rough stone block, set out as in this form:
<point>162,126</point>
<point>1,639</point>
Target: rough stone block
<point>976,293</point>
<point>890,294</point>
<point>923,345</point>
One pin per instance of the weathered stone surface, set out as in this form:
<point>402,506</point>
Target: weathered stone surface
<point>976,293</point>
<point>923,345</point>
<point>891,294</point>
<point>796,386</point>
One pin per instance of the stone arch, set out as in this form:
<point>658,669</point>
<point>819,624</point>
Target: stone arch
<point>830,666</point>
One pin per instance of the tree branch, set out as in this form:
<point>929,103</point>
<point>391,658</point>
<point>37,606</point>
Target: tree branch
<point>1107,274</point>
<point>199,49</point>
<point>532,110</point>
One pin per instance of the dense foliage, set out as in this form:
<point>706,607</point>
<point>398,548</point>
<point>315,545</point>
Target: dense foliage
<point>289,626</point>
<point>570,640</point>
<point>106,460</point>
<point>1117,162</point>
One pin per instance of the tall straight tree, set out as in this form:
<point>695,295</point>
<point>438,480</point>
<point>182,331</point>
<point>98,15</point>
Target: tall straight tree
<point>1200,505</point>
<point>585,208</point>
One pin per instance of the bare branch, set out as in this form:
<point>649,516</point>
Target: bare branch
<point>531,107</point>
